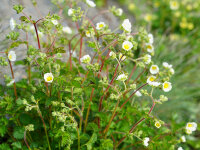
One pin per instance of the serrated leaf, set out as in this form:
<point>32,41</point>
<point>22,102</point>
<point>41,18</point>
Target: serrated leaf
<point>19,133</point>
<point>59,50</point>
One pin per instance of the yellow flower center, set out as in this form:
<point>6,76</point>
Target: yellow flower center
<point>101,26</point>
<point>174,4</point>
<point>157,124</point>
<point>126,46</point>
<point>152,79</point>
<point>190,125</point>
<point>149,47</point>
<point>166,85</point>
<point>49,78</point>
<point>154,67</point>
<point>10,56</point>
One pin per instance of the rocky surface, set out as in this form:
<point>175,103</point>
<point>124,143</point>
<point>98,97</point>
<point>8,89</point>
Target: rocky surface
<point>42,9</point>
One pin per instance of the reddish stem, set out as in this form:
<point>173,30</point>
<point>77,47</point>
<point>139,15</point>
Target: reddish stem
<point>80,52</point>
<point>133,70</point>
<point>135,125</point>
<point>36,31</point>
<point>13,77</point>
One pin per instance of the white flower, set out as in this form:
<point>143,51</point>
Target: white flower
<point>150,48</point>
<point>147,59</point>
<point>100,25</point>
<point>70,12</point>
<point>54,21</point>
<point>90,3</point>
<point>174,5</point>
<point>127,45</point>
<point>180,148</point>
<point>122,77</point>
<point>166,65</point>
<point>126,25</point>
<point>89,33</point>
<point>12,56</point>
<point>48,77</point>
<point>155,84</point>
<point>171,70</point>
<point>86,59</point>
<point>12,24</point>
<point>167,86</point>
<point>183,139</point>
<point>11,82</point>
<point>146,141</point>
<point>112,55</point>
<point>188,131</point>
<point>191,126</point>
<point>154,69</point>
<point>119,11</point>
<point>121,57</point>
<point>150,36</point>
<point>157,124</point>
<point>138,94</point>
<point>67,29</point>
<point>151,79</point>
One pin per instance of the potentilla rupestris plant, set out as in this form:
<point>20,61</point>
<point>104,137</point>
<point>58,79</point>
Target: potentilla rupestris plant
<point>88,101</point>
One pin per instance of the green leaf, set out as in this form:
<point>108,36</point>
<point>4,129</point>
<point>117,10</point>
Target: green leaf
<point>19,133</point>
<point>18,8</point>
<point>59,50</point>
<point>91,141</point>
<point>17,145</point>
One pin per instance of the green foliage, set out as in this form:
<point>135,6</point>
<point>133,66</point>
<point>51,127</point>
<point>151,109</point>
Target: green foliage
<point>102,102</point>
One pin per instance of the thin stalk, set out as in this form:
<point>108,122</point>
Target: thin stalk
<point>80,52</point>
<point>40,114</point>
<point>13,77</point>
<point>133,70</point>
<point>26,140</point>
<point>29,66</point>
<point>88,110</point>
<point>36,31</point>
<point>136,124</point>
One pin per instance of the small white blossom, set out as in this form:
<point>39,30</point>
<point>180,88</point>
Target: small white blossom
<point>89,33</point>
<point>121,57</point>
<point>174,5</point>
<point>191,126</point>
<point>180,148</point>
<point>119,12</point>
<point>122,77</point>
<point>100,25</point>
<point>90,3</point>
<point>127,25</point>
<point>154,69</point>
<point>112,55</point>
<point>12,24</point>
<point>147,59</point>
<point>70,12</point>
<point>183,139</point>
<point>54,21</point>
<point>157,124</point>
<point>138,94</point>
<point>150,48</point>
<point>188,131</point>
<point>146,141</point>
<point>166,65</point>
<point>150,36</point>
<point>48,77</point>
<point>11,82</point>
<point>167,86</point>
<point>127,45</point>
<point>151,79</point>
<point>155,84</point>
<point>67,29</point>
<point>12,56</point>
<point>171,70</point>
<point>86,59</point>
